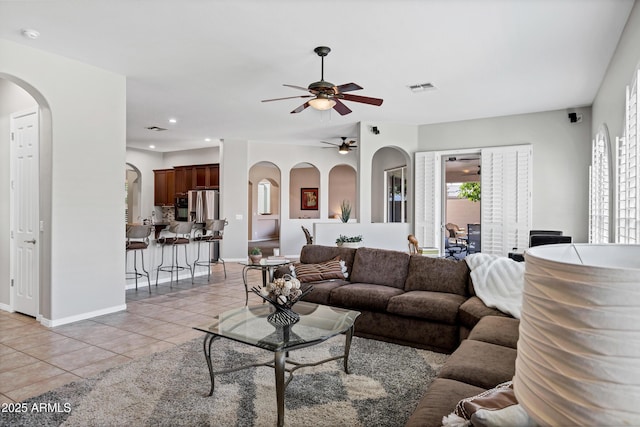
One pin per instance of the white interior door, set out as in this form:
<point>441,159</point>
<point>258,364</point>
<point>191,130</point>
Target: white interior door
<point>25,218</point>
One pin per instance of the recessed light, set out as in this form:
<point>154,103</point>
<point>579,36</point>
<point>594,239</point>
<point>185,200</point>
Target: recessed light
<point>152,146</point>
<point>30,34</point>
<point>207,139</point>
<point>173,120</point>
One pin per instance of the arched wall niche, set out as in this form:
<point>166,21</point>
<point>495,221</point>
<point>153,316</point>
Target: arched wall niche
<point>264,225</point>
<point>44,198</point>
<point>304,177</point>
<point>342,186</point>
<point>386,159</point>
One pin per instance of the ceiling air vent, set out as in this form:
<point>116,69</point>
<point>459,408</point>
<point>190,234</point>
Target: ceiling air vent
<point>421,87</point>
<point>155,128</point>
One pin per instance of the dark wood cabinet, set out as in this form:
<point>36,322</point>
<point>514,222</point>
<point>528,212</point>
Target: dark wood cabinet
<point>164,187</point>
<point>170,183</point>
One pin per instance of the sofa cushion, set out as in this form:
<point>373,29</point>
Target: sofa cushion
<point>363,296</point>
<point>436,306</point>
<point>440,400</point>
<point>437,275</point>
<point>321,290</point>
<point>473,309</point>
<point>481,364</point>
<point>380,267</point>
<point>314,254</point>
<point>332,269</point>
<point>497,330</point>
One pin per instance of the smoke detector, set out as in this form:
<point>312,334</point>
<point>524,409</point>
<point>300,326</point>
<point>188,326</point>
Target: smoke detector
<point>30,34</point>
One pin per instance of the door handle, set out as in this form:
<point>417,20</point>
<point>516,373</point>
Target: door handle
<point>31,241</point>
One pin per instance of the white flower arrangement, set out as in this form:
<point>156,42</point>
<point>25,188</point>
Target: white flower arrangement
<point>284,291</point>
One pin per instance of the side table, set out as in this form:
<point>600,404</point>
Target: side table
<point>266,266</point>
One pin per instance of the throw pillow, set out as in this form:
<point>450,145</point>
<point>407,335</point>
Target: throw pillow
<point>332,269</point>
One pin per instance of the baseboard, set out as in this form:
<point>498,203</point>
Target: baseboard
<point>142,282</point>
<point>5,307</point>
<point>63,321</point>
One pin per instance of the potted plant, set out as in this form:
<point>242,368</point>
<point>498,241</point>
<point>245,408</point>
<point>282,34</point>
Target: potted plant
<point>345,211</point>
<point>256,255</point>
<point>349,241</point>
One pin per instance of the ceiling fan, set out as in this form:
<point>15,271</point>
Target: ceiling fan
<point>343,148</point>
<point>325,95</point>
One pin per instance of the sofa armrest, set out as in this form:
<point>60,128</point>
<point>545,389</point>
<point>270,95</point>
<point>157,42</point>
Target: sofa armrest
<point>473,309</point>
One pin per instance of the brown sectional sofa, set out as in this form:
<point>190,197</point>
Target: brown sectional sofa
<point>426,303</point>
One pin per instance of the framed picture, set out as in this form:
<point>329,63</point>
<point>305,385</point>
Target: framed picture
<point>309,199</point>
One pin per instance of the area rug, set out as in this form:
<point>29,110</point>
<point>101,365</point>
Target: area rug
<point>170,389</point>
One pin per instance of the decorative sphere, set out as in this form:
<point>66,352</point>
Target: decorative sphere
<point>282,299</point>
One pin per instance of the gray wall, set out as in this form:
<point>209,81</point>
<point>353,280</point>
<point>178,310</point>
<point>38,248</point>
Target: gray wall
<point>561,159</point>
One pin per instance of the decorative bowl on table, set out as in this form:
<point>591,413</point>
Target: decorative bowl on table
<point>282,293</point>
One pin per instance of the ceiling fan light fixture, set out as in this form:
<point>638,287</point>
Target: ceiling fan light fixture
<point>322,104</point>
<point>344,149</point>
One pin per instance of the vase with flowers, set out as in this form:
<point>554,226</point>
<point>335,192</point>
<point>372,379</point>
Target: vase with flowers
<point>282,293</point>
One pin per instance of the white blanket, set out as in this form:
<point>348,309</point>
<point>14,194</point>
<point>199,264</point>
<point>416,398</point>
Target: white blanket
<point>498,281</point>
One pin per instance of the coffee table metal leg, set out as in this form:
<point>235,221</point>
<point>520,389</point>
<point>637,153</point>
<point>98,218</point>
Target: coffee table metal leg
<point>246,287</point>
<point>279,362</point>
<point>347,348</point>
<point>206,345</point>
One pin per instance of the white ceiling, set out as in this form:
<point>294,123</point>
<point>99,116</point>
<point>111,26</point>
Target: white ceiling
<point>209,63</point>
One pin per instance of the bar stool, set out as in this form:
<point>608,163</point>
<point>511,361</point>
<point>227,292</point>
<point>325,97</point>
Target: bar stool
<point>181,231</point>
<point>137,240</point>
<point>216,227</point>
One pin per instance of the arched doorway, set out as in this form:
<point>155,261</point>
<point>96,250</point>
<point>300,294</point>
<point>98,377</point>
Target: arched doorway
<point>133,191</point>
<point>264,207</point>
<point>18,96</point>
<point>390,186</point>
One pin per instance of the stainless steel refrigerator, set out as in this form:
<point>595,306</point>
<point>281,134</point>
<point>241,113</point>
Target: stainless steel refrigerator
<point>203,205</point>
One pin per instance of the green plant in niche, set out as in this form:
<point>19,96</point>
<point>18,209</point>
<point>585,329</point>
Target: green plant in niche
<point>470,191</point>
<point>255,251</point>
<point>345,211</point>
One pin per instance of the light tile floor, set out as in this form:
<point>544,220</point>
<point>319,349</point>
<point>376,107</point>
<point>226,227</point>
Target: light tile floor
<point>35,359</point>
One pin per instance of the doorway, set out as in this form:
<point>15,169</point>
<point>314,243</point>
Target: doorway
<point>25,222</point>
<point>264,207</point>
<point>461,209</point>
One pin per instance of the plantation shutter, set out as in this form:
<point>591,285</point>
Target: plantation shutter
<point>506,183</point>
<point>428,204</point>
<point>628,168</point>
<point>599,192</point>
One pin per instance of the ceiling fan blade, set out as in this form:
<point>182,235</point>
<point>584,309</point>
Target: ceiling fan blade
<point>297,87</point>
<point>363,99</point>
<point>300,108</point>
<point>341,108</point>
<point>347,87</point>
<point>330,143</point>
<point>288,97</point>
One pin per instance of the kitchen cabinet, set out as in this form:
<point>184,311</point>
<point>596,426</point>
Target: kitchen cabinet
<point>177,181</point>
<point>164,191</point>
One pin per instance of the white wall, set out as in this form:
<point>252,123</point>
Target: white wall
<point>86,180</point>
<point>146,162</point>
<point>12,99</point>
<point>561,158</point>
<point>198,156</point>
<point>609,103</point>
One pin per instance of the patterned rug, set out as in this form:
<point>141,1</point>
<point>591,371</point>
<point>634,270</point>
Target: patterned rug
<point>170,389</point>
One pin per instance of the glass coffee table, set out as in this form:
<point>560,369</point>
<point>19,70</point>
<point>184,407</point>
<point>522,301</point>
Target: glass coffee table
<point>249,325</point>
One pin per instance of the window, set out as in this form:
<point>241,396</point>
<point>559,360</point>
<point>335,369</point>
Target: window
<point>628,151</point>
<point>396,181</point>
<point>264,197</point>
